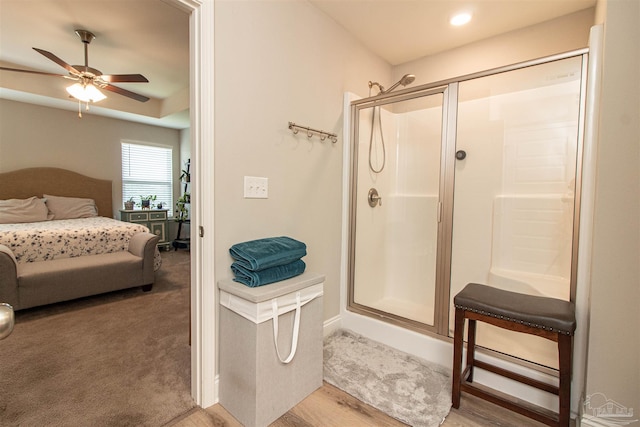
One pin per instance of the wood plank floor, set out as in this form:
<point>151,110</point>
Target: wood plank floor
<point>331,407</point>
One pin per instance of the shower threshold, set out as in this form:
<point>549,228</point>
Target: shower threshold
<point>421,313</point>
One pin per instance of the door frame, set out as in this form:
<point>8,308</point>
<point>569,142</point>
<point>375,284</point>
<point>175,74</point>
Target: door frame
<point>203,294</point>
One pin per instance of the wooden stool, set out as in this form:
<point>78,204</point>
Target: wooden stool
<point>549,318</point>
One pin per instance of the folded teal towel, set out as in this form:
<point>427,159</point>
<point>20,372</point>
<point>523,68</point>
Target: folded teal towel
<point>257,255</point>
<point>268,275</point>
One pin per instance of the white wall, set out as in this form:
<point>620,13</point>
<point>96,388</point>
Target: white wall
<point>614,339</point>
<point>278,62</point>
<point>185,146</point>
<point>32,136</point>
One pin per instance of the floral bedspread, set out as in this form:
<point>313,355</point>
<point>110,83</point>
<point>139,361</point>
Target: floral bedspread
<point>68,238</point>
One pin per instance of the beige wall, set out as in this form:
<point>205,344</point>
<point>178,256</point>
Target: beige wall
<point>614,338</point>
<point>559,35</point>
<point>32,136</point>
<point>278,62</point>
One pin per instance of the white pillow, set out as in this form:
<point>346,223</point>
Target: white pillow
<point>70,207</point>
<point>14,211</point>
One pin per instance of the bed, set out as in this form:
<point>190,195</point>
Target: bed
<point>58,241</point>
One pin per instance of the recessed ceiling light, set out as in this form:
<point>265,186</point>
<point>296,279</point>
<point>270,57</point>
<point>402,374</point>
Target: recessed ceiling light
<point>460,19</point>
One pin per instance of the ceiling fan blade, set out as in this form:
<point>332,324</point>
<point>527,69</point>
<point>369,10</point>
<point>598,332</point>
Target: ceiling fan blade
<point>35,72</point>
<point>125,92</point>
<point>124,78</point>
<point>57,60</point>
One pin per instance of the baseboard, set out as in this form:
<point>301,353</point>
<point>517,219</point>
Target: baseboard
<point>331,325</point>
<point>216,388</point>
<point>591,421</point>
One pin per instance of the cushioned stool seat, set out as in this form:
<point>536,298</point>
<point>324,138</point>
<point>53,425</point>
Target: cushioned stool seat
<point>549,318</point>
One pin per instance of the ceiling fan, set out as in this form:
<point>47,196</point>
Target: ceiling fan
<point>88,79</point>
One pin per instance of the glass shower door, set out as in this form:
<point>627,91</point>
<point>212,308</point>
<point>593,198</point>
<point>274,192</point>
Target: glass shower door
<point>513,208</point>
<point>394,208</point>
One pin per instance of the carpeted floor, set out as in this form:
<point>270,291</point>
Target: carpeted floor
<point>405,387</point>
<point>121,359</point>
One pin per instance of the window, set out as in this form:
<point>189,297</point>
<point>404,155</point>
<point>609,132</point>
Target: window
<point>147,171</point>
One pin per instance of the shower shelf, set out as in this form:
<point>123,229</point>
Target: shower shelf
<point>310,132</point>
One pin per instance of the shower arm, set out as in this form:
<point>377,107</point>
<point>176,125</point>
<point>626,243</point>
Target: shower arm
<point>380,87</point>
<point>391,88</point>
<point>405,80</point>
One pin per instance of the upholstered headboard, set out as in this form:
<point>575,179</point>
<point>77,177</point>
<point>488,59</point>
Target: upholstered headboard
<point>25,183</point>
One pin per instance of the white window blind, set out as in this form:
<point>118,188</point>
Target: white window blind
<point>147,170</point>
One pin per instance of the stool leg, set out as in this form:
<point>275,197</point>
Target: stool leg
<point>457,356</point>
<point>564,389</point>
<point>471,349</point>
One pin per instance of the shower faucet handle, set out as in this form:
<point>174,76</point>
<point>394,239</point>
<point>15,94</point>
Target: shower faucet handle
<point>373,198</point>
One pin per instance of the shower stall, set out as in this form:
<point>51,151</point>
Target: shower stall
<point>475,179</point>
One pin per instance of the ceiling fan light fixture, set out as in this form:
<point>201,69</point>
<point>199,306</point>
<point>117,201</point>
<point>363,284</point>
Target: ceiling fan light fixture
<point>85,93</point>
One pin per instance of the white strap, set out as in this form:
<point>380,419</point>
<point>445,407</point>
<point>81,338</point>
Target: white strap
<point>296,328</point>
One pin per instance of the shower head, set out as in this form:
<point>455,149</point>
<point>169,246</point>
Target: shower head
<point>405,80</point>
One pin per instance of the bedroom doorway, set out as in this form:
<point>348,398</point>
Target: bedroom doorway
<point>200,21</point>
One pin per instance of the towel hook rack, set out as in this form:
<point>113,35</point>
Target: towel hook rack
<point>310,132</point>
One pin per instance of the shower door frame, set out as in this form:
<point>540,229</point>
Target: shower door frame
<point>440,296</point>
<point>449,89</point>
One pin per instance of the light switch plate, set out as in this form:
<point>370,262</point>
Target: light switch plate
<point>256,187</point>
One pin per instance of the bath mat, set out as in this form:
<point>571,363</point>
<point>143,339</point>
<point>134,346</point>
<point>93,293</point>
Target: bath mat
<point>403,386</point>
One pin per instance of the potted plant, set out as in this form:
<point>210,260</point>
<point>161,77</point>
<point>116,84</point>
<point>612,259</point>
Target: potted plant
<point>129,204</point>
<point>145,201</point>
<point>185,176</point>
<point>182,212</point>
